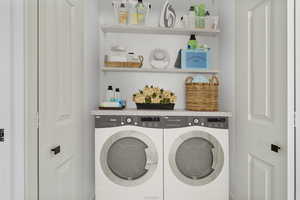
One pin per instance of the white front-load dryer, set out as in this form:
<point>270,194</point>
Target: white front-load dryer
<point>196,158</point>
<point>128,158</point>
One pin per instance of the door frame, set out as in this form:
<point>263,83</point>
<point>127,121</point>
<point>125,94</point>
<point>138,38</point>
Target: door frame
<point>12,33</point>
<point>297,97</point>
<point>31,100</point>
<point>291,94</point>
<point>14,46</point>
<point>31,93</point>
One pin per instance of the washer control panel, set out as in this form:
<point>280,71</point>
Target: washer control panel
<point>211,122</point>
<point>141,121</point>
<point>160,122</point>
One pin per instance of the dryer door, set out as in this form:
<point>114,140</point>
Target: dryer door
<point>129,158</point>
<point>196,158</point>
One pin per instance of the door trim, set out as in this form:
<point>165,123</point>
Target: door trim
<point>297,97</point>
<point>31,135</point>
<point>17,97</point>
<point>13,48</point>
<point>31,100</point>
<point>290,142</point>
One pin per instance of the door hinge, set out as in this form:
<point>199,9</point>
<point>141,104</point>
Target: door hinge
<point>2,136</point>
<point>37,119</point>
<point>295,120</point>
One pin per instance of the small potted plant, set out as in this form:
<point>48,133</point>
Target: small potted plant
<point>154,98</point>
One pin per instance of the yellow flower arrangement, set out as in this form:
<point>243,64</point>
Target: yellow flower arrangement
<point>154,95</point>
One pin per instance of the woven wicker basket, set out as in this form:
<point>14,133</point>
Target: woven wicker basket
<point>124,64</point>
<point>202,96</point>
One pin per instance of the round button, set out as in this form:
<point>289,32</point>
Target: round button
<point>196,121</point>
<point>202,124</point>
<point>128,120</point>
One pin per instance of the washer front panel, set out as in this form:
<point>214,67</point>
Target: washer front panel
<point>129,177</point>
<point>190,175</point>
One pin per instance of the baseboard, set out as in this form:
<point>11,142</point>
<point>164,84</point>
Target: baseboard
<point>231,196</point>
<point>93,197</point>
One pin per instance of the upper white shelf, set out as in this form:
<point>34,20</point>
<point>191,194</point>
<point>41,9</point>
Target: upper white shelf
<point>156,30</point>
<point>152,70</point>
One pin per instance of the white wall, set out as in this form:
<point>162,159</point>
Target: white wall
<point>223,58</point>
<point>91,93</point>
<point>128,82</point>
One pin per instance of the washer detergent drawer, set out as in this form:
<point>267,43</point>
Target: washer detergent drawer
<point>107,121</point>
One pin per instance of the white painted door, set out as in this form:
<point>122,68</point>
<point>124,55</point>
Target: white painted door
<point>5,88</point>
<point>60,99</point>
<point>261,100</point>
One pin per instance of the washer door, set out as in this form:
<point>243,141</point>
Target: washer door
<point>129,158</point>
<point>196,158</point>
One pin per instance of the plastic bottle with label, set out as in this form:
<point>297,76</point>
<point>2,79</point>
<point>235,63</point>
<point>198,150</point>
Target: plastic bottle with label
<point>117,95</point>
<point>141,10</point>
<point>123,14</point>
<point>110,94</point>
<point>132,19</point>
<point>192,43</point>
<point>192,17</point>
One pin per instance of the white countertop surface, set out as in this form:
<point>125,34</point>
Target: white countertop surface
<point>160,113</point>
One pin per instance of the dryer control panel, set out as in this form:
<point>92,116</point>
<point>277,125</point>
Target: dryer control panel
<point>106,121</point>
<point>180,121</point>
<point>126,120</point>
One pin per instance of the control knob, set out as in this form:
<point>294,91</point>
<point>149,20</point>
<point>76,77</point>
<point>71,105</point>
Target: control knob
<point>196,121</point>
<point>128,120</point>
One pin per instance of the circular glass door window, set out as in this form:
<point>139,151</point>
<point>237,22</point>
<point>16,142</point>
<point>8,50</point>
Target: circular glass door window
<point>196,158</point>
<point>129,158</point>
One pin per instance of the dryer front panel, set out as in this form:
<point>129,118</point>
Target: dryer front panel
<point>128,158</point>
<point>196,158</point>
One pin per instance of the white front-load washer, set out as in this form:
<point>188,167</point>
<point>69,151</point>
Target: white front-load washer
<point>196,158</point>
<point>128,158</point>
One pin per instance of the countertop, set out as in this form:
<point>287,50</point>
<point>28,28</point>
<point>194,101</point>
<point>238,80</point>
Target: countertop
<point>160,113</point>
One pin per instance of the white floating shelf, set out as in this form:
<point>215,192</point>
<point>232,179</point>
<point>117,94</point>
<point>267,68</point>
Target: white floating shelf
<point>156,30</point>
<point>151,70</point>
